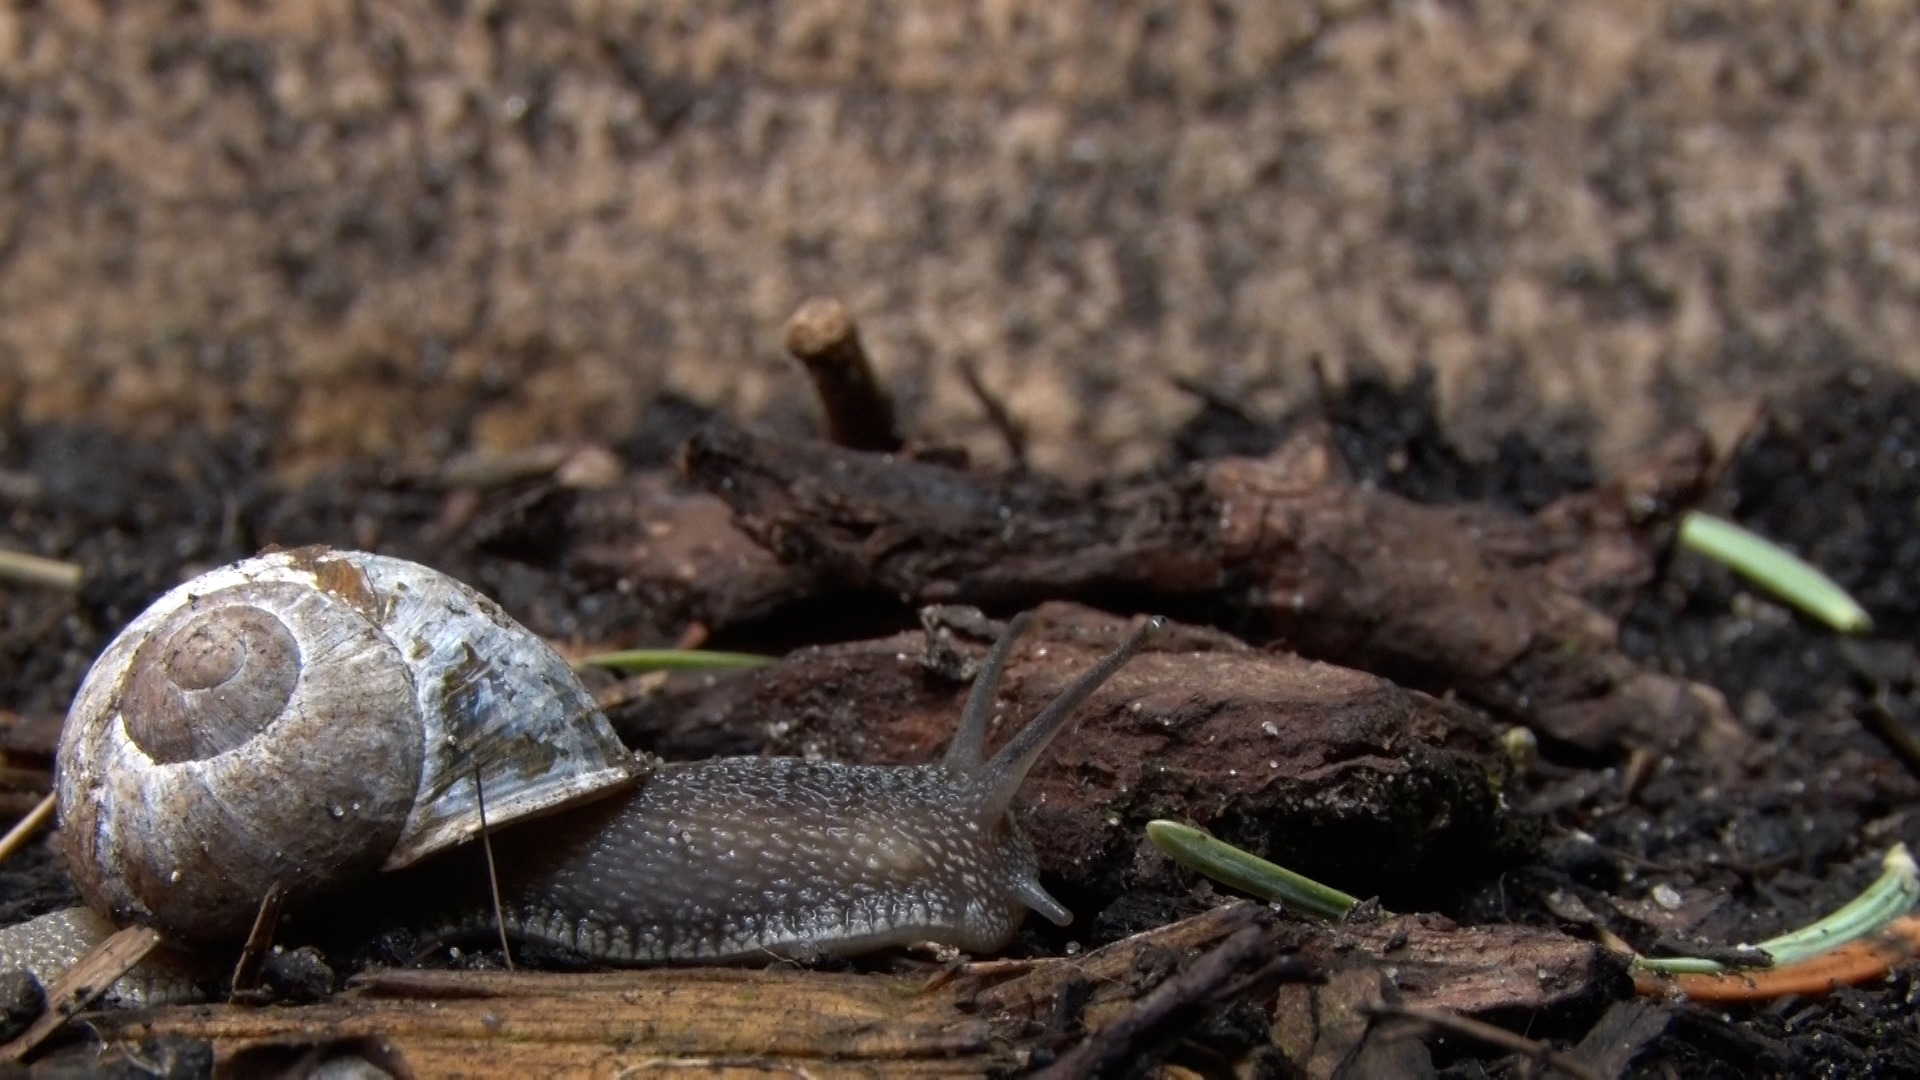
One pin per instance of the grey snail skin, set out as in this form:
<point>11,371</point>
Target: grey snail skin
<point>742,857</point>
<point>312,717</point>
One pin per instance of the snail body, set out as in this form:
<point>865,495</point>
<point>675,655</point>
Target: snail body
<point>196,772</point>
<point>859,858</point>
<point>738,857</point>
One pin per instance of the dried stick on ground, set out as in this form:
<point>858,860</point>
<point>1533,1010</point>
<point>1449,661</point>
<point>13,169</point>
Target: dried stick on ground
<point>24,829</point>
<point>821,335</point>
<point>1449,598</point>
<point>83,983</point>
<point>1487,1033</point>
<point>1119,1042</point>
<point>25,569</point>
<point>781,1019</point>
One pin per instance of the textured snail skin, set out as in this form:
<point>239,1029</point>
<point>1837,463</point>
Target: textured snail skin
<point>740,857</point>
<point>750,857</point>
<point>47,946</point>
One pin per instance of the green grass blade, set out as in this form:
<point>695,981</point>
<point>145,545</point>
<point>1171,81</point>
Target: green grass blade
<point>638,660</point>
<point>1228,865</point>
<point>1775,569</point>
<point>1891,895</point>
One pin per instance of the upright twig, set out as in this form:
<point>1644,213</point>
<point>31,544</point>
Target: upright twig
<point>246,972</point>
<point>1877,717</point>
<point>1010,430</point>
<point>822,336</point>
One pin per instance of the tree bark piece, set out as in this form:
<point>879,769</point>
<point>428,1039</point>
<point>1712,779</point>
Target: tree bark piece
<point>1473,969</point>
<point>1284,548</point>
<point>1338,773</point>
<point>1424,962</point>
<point>779,1019</point>
<point>678,552</point>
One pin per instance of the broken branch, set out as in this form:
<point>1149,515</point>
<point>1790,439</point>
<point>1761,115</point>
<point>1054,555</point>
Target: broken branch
<point>822,336</point>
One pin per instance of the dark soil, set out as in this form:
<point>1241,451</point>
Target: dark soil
<point>1753,846</point>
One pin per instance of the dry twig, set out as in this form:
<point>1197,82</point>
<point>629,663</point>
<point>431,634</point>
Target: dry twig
<point>24,569</point>
<point>246,972</point>
<point>821,335</point>
<point>1200,982</point>
<point>1486,1033</point>
<point>1010,430</point>
<point>24,829</point>
<point>1876,717</point>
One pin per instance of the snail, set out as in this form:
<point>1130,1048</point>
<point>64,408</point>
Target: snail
<point>311,717</point>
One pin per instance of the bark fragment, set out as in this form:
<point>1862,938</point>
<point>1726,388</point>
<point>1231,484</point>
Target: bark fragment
<point>679,551</point>
<point>1284,548</point>
<point>1331,770</point>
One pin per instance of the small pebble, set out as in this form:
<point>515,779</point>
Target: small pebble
<point>299,974</point>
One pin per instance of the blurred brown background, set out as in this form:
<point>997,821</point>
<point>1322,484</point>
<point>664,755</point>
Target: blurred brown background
<point>408,230</point>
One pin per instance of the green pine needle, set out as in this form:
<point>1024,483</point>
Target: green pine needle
<point>1775,569</point>
<point>1228,865</point>
<point>640,660</point>
<point>1888,898</point>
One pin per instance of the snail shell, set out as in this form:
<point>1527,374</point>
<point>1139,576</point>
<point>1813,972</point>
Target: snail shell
<point>304,717</point>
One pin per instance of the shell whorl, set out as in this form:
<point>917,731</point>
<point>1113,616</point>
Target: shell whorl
<point>209,681</point>
<point>305,717</point>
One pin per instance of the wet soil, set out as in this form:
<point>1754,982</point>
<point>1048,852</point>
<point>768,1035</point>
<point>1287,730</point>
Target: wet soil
<point>1751,842</point>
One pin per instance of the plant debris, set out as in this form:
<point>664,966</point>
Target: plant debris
<point>1337,696</point>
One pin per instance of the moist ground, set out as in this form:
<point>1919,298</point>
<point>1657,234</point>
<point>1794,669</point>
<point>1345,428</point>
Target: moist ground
<point>1751,852</point>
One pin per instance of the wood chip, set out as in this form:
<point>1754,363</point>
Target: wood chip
<point>823,1023</point>
<point>1469,969</point>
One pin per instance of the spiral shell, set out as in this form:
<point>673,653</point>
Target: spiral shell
<point>305,717</point>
